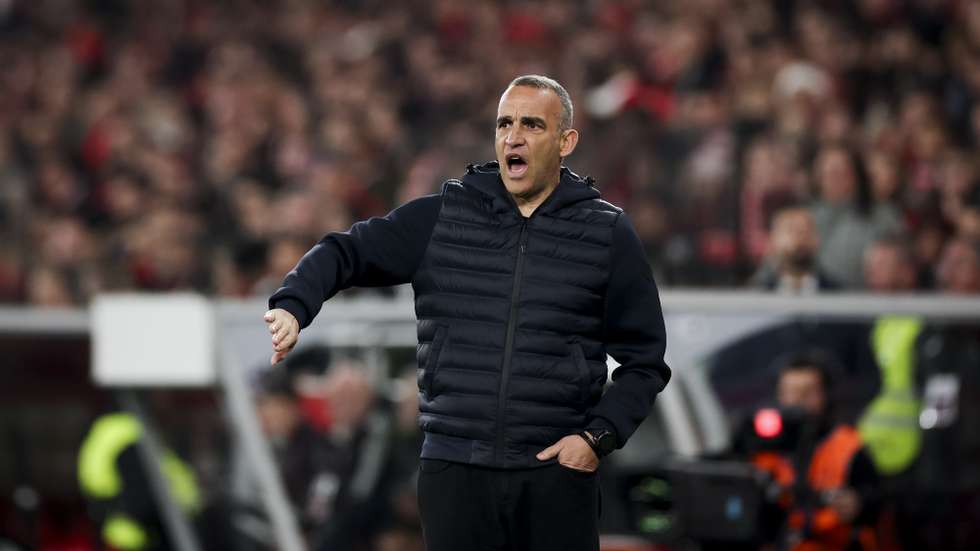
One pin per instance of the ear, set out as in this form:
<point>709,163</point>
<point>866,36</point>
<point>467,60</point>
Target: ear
<point>568,142</point>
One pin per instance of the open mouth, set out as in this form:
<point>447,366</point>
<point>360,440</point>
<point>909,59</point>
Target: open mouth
<point>516,165</point>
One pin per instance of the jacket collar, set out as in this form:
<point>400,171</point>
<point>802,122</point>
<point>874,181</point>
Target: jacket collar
<point>571,189</point>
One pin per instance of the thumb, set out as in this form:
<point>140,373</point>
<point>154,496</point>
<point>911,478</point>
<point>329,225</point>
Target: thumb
<point>549,452</point>
<point>270,315</point>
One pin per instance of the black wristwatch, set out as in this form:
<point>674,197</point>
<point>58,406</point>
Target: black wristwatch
<point>602,441</point>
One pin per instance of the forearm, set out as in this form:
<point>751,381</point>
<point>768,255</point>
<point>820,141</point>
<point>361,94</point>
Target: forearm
<point>635,337</point>
<point>628,400</point>
<point>322,272</point>
<point>376,252</point>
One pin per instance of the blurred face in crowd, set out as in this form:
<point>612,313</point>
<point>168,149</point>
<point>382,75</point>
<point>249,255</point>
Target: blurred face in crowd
<point>884,176</point>
<point>530,143</point>
<point>46,287</point>
<point>279,416</point>
<point>349,393</point>
<point>794,239</point>
<point>835,176</point>
<point>968,224</point>
<point>888,268</point>
<point>959,267</point>
<point>802,388</point>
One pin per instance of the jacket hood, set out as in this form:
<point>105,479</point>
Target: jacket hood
<point>571,189</point>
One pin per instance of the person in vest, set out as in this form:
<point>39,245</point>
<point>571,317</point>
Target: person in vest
<point>115,484</point>
<point>834,506</point>
<point>524,281</point>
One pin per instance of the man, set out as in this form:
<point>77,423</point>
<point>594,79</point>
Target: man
<point>524,280</point>
<point>835,505</point>
<point>959,268</point>
<point>793,245</point>
<point>889,267</point>
<point>946,475</point>
<point>845,219</point>
<point>890,425</point>
<point>117,487</point>
<point>306,460</point>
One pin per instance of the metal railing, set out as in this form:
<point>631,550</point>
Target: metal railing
<point>377,324</point>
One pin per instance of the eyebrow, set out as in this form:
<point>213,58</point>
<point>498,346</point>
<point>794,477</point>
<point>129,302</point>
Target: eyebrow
<point>536,120</point>
<point>524,120</point>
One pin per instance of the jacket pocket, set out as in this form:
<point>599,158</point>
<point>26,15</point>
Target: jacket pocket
<point>432,360</point>
<point>584,377</point>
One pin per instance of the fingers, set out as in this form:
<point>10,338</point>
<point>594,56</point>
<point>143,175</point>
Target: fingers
<point>572,452</point>
<point>284,340</point>
<point>284,330</point>
<point>272,319</point>
<point>550,451</point>
<point>281,326</point>
<point>281,352</point>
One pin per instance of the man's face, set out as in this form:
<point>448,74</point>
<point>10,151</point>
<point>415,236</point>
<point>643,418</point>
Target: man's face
<point>886,269</point>
<point>529,143</point>
<point>802,388</point>
<point>794,239</point>
<point>278,415</point>
<point>959,268</point>
<point>835,176</point>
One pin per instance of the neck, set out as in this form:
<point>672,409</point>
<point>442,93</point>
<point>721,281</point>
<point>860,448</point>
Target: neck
<point>527,204</point>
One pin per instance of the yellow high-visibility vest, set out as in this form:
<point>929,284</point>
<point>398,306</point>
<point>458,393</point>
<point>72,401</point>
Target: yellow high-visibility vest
<point>99,477</point>
<point>890,424</point>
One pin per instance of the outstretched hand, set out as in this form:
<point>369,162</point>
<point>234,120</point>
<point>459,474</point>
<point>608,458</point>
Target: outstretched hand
<point>572,452</point>
<point>285,332</point>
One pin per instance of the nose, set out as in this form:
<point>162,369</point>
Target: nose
<point>514,137</point>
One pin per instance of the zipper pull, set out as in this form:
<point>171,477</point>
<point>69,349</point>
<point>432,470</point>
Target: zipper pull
<point>523,247</point>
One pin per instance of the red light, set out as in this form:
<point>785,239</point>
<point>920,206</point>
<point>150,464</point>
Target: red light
<point>768,423</point>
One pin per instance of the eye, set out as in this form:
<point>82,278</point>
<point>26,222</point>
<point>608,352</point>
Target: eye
<point>503,124</point>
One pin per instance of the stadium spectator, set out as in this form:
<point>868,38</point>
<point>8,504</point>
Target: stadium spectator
<point>708,115</point>
<point>959,269</point>
<point>846,218</point>
<point>889,267</point>
<point>791,266</point>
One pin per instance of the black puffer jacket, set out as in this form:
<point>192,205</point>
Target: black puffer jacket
<point>516,315</point>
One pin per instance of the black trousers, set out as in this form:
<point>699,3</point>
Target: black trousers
<point>471,508</point>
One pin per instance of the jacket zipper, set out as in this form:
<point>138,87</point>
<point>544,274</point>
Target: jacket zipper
<point>509,345</point>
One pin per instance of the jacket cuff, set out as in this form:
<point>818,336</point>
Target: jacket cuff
<point>603,423</point>
<point>295,308</point>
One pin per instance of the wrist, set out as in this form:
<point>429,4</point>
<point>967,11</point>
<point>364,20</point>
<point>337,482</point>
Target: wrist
<point>601,440</point>
<point>295,309</point>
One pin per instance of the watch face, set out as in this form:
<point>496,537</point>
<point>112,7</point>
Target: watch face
<point>602,441</point>
<point>605,442</point>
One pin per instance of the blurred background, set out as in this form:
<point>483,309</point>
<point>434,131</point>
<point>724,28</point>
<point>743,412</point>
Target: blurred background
<point>805,177</point>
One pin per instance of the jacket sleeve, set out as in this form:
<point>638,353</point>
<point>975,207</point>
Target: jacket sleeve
<point>377,252</point>
<point>634,336</point>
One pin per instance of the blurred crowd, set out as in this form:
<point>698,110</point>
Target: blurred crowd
<point>206,145</point>
<point>346,450</point>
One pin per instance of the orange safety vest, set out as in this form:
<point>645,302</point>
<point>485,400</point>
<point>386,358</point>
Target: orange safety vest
<point>828,470</point>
